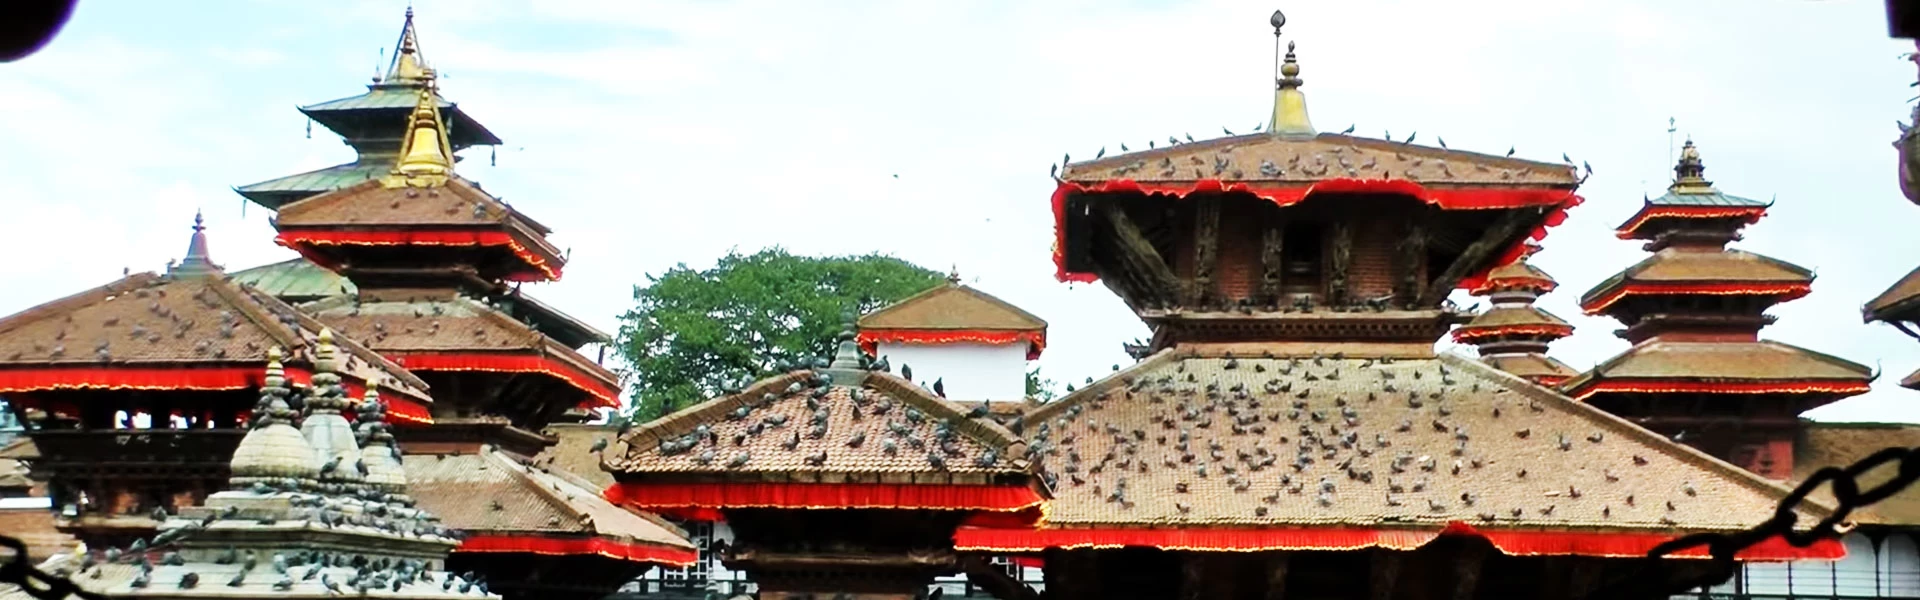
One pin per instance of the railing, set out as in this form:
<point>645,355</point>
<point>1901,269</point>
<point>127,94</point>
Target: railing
<point>147,446</point>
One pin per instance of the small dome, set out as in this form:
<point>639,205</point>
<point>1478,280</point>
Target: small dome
<point>273,449</point>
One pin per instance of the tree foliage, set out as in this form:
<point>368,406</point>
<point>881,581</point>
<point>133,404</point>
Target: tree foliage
<point>693,331</point>
<point>1041,388</point>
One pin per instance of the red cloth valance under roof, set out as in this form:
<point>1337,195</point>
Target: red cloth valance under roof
<point>47,379</point>
<point>1036,340</point>
<point>601,395</point>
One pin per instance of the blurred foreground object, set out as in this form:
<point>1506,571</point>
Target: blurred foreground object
<point>26,25</point>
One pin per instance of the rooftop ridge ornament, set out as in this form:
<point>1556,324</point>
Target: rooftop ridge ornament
<point>408,66</point>
<point>845,368</point>
<point>1690,173</point>
<point>196,263</point>
<point>426,155</point>
<point>953,275</point>
<point>1289,103</point>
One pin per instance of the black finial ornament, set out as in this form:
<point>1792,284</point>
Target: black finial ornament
<point>1279,19</point>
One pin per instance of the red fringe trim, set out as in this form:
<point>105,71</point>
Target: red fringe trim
<point>299,240</point>
<point>1470,334</point>
<point>601,393</point>
<point>1036,340</point>
<point>1632,227</point>
<point>1513,543</point>
<point>1550,380</point>
<point>681,496</point>
<point>400,408</point>
<point>614,549</point>
<point>1492,284</point>
<point>1786,291</point>
<point>1031,562</point>
<point>1787,386</point>
<point>1445,198</point>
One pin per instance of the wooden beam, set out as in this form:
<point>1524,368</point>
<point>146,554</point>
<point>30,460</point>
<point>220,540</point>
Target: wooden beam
<point>1339,262</point>
<point>1384,574</point>
<point>1467,563</point>
<point>1496,238</point>
<point>994,580</point>
<point>1272,262</point>
<point>1138,256</point>
<point>1277,576</point>
<point>1206,250</point>
<point>1409,253</point>
<point>1193,576</point>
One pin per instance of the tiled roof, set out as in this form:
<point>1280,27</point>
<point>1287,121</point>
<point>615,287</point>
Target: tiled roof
<point>1674,265</point>
<point>887,426</point>
<point>1842,444</point>
<point>574,451</point>
<point>372,204</point>
<point>442,324</point>
<point>952,306</point>
<point>1194,441</point>
<point>296,280</point>
<point>1500,316</point>
<point>1710,198</point>
<point>1736,361</point>
<point>148,319</point>
<point>495,493</point>
<point>1520,269</point>
<point>1531,366</point>
<point>1898,298</point>
<point>463,129</point>
<point>321,180</point>
<point>1261,158</point>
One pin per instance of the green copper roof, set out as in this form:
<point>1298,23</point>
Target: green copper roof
<point>274,193</point>
<point>295,281</point>
<point>382,113</point>
<point>378,97</point>
<point>1695,199</point>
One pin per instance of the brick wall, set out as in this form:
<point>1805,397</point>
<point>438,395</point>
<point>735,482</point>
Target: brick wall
<point>1243,225</point>
<point>1370,270</point>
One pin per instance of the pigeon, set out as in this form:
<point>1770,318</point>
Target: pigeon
<point>1442,142</point>
<point>238,580</point>
<point>189,580</point>
<point>159,513</point>
<point>1410,137</point>
<point>598,445</point>
<point>284,584</point>
<point>906,372</point>
<point>1510,150</point>
<point>978,411</point>
<point>1102,153</point>
<point>1349,129</point>
<point>940,387</point>
<point>332,463</point>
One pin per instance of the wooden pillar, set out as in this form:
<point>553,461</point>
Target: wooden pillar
<point>1384,574</point>
<point>1276,567</point>
<point>1072,575</point>
<point>1206,250</point>
<point>1410,253</point>
<point>1582,577</point>
<point>1272,260</point>
<point>1339,262</point>
<point>1467,563</point>
<point>1193,576</point>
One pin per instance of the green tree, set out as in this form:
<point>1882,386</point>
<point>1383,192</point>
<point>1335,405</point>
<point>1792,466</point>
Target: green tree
<point>1041,388</point>
<point>691,332</point>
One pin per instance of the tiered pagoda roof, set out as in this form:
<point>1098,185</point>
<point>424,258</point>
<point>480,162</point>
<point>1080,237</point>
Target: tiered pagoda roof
<point>1240,449</point>
<point>1694,308</point>
<point>192,328</point>
<point>953,313</point>
<point>1513,334</point>
<point>370,123</point>
<point>1899,306</point>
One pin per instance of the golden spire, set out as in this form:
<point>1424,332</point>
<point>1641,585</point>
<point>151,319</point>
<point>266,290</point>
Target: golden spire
<point>1289,104</point>
<point>408,66</point>
<point>1690,173</point>
<point>426,155</point>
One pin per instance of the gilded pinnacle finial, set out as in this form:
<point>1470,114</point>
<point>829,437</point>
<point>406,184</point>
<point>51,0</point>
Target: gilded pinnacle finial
<point>1690,173</point>
<point>408,66</point>
<point>197,261</point>
<point>1289,103</point>
<point>953,276</point>
<point>426,155</point>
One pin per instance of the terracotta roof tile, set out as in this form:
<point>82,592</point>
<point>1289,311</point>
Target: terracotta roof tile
<point>428,325</point>
<point>1261,158</point>
<point>1531,366</point>
<point>1749,361</point>
<point>1898,298</point>
<point>148,319</point>
<point>894,428</point>
<point>492,492</point>
<point>1501,316</point>
<point>372,204</point>
<point>952,306</point>
<point>1674,265</point>
<point>1842,444</point>
<point>1518,270</point>
<point>573,452</point>
<point>1414,441</point>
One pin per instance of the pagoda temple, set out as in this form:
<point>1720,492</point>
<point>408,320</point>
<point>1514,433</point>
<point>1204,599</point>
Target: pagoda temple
<point>135,392</point>
<point>367,123</point>
<point>424,266</point>
<point>312,509</point>
<point>1698,370</point>
<point>837,479</point>
<point>1513,334</point>
<point>1293,433</point>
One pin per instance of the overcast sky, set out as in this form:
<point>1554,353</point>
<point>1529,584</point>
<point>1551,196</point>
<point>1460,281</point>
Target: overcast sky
<point>653,133</point>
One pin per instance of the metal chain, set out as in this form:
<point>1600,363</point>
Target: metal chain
<point>1656,578</point>
<point>16,570</point>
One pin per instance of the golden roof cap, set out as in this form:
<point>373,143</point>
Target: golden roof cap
<point>1289,103</point>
